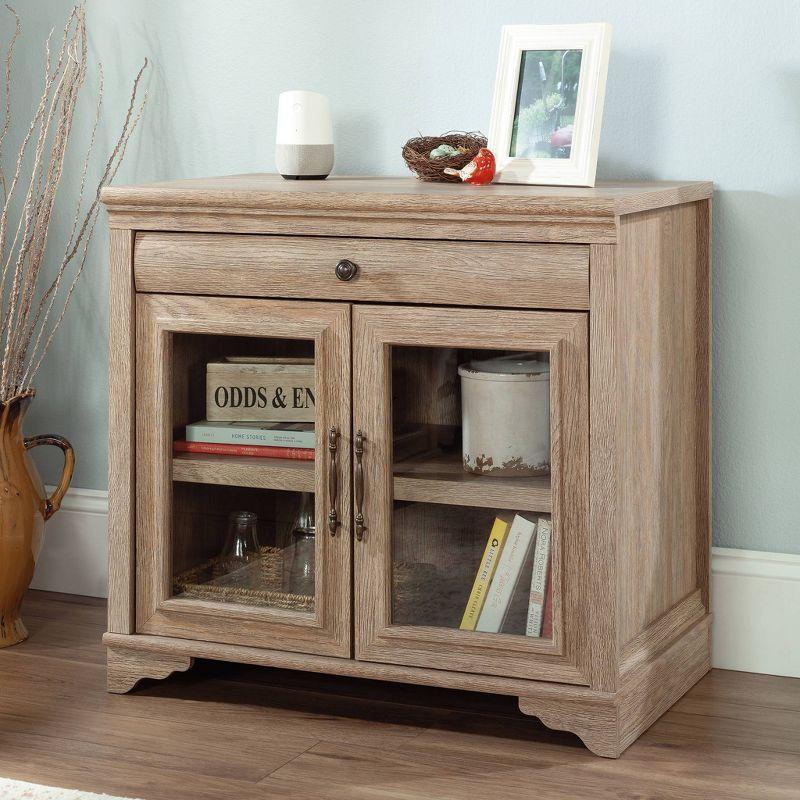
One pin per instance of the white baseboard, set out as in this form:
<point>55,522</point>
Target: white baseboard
<point>755,596</point>
<point>74,556</point>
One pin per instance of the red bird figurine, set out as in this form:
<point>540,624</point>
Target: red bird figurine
<point>479,171</point>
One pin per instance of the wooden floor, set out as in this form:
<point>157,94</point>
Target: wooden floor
<point>222,731</point>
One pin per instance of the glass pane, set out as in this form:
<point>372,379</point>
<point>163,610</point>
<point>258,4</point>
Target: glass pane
<point>471,568</point>
<point>547,97</point>
<point>243,508</point>
<point>472,533</point>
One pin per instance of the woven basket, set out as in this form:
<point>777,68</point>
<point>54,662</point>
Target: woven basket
<point>417,155</point>
<point>257,583</point>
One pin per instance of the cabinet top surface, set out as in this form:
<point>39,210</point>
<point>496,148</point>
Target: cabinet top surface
<point>265,191</point>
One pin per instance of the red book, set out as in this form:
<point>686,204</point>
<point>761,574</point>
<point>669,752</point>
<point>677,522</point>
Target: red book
<point>547,609</point>
<point>257,450</point>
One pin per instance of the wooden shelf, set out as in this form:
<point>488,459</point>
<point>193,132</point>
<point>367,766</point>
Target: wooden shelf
<point>442,479</point>
<point>259,473</point>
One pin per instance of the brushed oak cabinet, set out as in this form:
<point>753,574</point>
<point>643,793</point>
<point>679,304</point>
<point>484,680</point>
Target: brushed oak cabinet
<point>387,285</point>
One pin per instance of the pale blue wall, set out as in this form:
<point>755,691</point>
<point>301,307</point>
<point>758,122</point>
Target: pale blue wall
<point>697,89</point>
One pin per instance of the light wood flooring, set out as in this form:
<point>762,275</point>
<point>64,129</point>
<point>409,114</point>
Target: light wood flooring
<point>223,731</point>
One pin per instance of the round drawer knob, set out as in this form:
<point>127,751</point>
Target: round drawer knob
<point>346,270</point>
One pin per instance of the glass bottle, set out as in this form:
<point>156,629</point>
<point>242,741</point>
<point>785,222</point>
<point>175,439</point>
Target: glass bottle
<point>303,546</point>
<point>241,543</point>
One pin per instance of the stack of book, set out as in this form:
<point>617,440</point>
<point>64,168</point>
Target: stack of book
<point>261,439</point>
<point>507,552</point>
<point>256,406</point>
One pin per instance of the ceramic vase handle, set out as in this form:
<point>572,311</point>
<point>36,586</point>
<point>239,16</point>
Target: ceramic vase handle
<point>53,503</point>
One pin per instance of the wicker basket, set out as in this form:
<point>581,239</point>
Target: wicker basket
<point>417,155</point>
<point>257,583</point>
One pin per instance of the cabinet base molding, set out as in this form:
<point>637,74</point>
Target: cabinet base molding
<point>127,666</point>
<point>606,722</point>
<point>168,647</point>
<point>608,726</point>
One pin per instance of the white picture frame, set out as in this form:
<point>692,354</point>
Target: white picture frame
<point>518,134</point>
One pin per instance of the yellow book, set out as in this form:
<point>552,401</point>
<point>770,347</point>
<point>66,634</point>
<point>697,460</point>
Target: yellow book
<point>488,565</point>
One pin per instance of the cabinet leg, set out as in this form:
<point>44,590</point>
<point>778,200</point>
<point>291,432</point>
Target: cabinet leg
<point>594,721</point>
<point>127,667</point>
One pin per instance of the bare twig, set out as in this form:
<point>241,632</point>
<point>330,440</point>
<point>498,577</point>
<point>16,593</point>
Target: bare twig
<point>52,289</point>
<point>26,328</point>
<point>7,114</point>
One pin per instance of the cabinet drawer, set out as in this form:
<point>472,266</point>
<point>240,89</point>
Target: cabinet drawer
<point>389,270</point>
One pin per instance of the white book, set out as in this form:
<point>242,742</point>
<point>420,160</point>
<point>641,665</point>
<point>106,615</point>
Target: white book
<point>541,563</point>
<point>269,434</point>
<point>506,576</point>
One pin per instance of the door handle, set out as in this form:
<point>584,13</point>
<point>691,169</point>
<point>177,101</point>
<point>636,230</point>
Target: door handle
<point>333,479</point>
<point>359,484</point>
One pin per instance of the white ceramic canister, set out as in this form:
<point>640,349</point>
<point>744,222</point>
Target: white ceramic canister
<point>505,406</point>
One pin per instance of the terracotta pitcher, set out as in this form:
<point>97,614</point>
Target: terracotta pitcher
<point>24,508</point>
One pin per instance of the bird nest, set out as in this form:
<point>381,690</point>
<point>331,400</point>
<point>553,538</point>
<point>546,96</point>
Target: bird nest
<point>417,154</point>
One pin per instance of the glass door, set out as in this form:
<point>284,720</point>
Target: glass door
<point>470,486</point>
<point>243,474</point>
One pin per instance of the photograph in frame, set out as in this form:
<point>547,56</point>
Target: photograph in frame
<point>547,96</point>
<point>548,103</point>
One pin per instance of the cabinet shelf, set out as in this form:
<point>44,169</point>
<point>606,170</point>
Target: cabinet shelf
<point>258,473</point>
<point>431,479</point>
<point>442,479</point>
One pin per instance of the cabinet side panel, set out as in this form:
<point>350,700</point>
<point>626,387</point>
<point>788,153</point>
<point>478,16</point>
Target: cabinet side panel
<point>703,401</point>
<point>663,408</point>
<point>121,511</point>
<point>603,483</point>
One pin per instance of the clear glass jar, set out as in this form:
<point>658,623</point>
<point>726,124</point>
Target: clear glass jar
<point>300,577</point>
<point>241,543</point>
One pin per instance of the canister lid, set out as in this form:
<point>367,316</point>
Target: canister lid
<point>516,367</point>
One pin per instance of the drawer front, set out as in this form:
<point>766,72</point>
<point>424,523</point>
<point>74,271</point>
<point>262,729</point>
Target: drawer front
<point>389,270</point>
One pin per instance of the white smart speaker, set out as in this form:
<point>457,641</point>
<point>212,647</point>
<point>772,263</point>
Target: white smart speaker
<point>304,141</point>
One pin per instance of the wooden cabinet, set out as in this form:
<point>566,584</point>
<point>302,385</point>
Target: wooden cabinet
<point>608,286</point>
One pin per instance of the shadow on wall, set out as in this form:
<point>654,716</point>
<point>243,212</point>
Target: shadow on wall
<point>355,137</point>
<point>159,148</point>
<point>790,81</point>
<point>637,79</point>
<point>756,380</point>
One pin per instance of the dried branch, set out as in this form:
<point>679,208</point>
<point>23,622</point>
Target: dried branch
<point>52,289</point>
<point>27,328</point>
<point>7,114</point>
